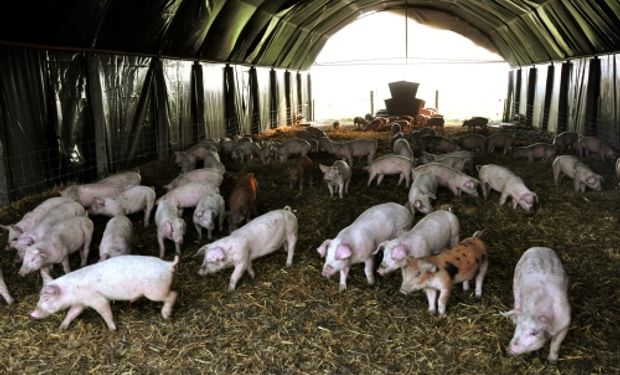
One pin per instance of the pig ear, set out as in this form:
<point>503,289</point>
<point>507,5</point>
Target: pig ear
<point>198,213</point>
<point>399,252</point>
<point>322,250</point>
<point>51,290</point>
<point>379,248</point>
<point>343,251</point>
<point>216,254</point>
<point>545,321</point>
<point>98,201</point>
<point>417,204</point>
<point>323,168</point>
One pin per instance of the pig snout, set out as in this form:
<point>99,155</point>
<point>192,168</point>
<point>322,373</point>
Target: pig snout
<point>328,271</point>
<point>38,314</point>
<point>404,291</point>
<point>381,271</point>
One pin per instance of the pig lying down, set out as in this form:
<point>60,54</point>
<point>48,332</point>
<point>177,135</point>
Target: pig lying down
<point>261,236</point>
<point>123,278</point>
<point>541,311</point>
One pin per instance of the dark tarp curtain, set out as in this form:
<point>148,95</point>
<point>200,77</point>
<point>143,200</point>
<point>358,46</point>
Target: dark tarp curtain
<point>565,84</point>
<point>530,96</point>
<point>548,94</point>
<point>274,95</point>
<point>198,100</point>
<point>609,100</point>
<point>254,110</point>
<point>230,101</point>
<point>577,96</point>
<point>592,95</point>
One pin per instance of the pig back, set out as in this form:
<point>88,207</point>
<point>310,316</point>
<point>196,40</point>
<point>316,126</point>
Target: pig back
<point>379,223</point>
<point>540,263</point>
<point>266,233</point>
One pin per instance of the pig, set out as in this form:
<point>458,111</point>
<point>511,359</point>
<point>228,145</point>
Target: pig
<point>84,194</point>
<point>293,147</point>
<point>396,137</point>
<point>188,195</point>
<point>4,291</point>
<point>390,164</point>
<point>586,145</point>
<point>55,215</point>
<point>212,160</point>
<point>259,237</point>
<point>435,121</point>
<point>461,263</point>
<point>541,308</point>
<point>337,177</point>
<point>360,123</point>
<point>565,141</point>
<point>422,191</point>
<point>31,219</point>
<point>226,147</point>
<point>348,150</point>
<point>210,207</point>
<point>454,161</point>
<point>474,142</point>
<point>242,201</point>
<point>185,161</point>
<point>245,151</point>
<point>435,143</point>
<point>122,278</point>
<point>544,151</point>
<point>132,200</point>
<point>466,164</point>
<point>581,174</point>
<point>508,184</point>
<point>403,148</point>
<point>451,178</point>
<point>210,176</point>
<point>116,238</point>
<point>433,233</point>
<point>123,179</point>
<point>395,128</point>
<point>356,243</point>
<point>476,121</point>
<point>296,173</point>
<point>502,140</point>
<point>316,132</point>
<point>169,226</point>
<point>55,246</point>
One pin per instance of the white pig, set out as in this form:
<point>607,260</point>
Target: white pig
<point>508,184</point>
<point>293,147</point>
<point>390,164</point>
<point>210,206</point>
<point>137,198</point>
<point>433,233</point>
<point>337,177</point>
<point>84,194</point>
<point>422,191</point>
<point>123,179</point>
<point>57,244</point>
<point>357,242</point>
<point>451,178</point>
<point>261,236</point>
<point>581,174</point>
<point>541,310</point>
<point>4,291</point>
<point>169,226</point>
<point>207,175</point>
<point>188,195</point>
<point>403,148</point>
<point>123,278</point>
<point>116,238</point>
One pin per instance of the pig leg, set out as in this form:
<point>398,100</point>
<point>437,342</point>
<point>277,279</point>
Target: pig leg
<point>166,310</point>
<point>379,179</point>
<point>485,190</point>
<point>221,217</point>
<point>209,234</point>
<point>466,285</point>
<point>250,269</point>
<point>431,297</point>
<point>444,295</point>
<point>557,174</point>
<point>85,249</point>
<point>343,279</point>
<point>199,231</point>
<point>102,306</point>
<point>177,248</point>
<point>480,276</point>
<point>371,177</point>
<point>162,248</point>
<point>65,265</point>
<point>291,241</point>
<point>368,269</point>
<point>73,313</point>
<point>236,275</point>
<point>4,291</point>
<point>340,190</point>
<point>554,348</point>
<point>346,185</point>
<point>503,197</point>
<point>331,190</point>
<point>147,212</point>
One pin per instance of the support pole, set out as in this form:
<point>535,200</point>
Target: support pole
<point>372,102</point>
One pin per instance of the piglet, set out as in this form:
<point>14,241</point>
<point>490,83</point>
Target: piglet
<point>85,194</point>
<point>565,141</point>
<point>293,147</point>
<point>123,179</point>
<point>261,236</point>
<point>297,172</point>
<point>402,147</point>
<point>388,165</point>
<point>56,245</point>
<point>357,242</point>
<point>581,174</point>
<point>134,199</point>
<point>544,151</point>
<point>337,177</point>
<point>440,272</point>
<point>451,178</point>
<point>188,195</point>
<point>4,291</point>
<point>422,191</point>
<point>122,278</point>
<point>508,184</point>
<point>502,140</point>
<point>209,176</point>
<point>541,308</point>
<point>242,201</point>
<point>170,226</point>
<point>116,238</point>
<point>210,207</point>
<point>587,145</point>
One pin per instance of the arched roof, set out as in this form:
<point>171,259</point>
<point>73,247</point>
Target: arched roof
<point>291,33</point>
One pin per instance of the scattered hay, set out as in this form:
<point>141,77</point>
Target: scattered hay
<point>291,320</point>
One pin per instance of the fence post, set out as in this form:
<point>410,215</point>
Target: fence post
<point>372,102</point>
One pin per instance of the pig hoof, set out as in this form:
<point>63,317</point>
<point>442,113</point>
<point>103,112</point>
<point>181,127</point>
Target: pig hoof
<point>552,361</point>
<point>64,327</point>
<point>342,288</point>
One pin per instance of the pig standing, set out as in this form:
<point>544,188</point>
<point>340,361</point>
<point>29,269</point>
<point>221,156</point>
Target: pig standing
<point>502,140</point>
<point>132,200</point>
<point>169,226</point>
<point>471,123</point>
<point>4,291</point>
<point>357,242</point>
<point>293,147</point>
<point>508,184</point>
<point>587,145</point>
<point>260,237</point>
<point>451,178</point>
<point>84,194</point>
<point>242,201</point>
<point>581,174</point>
<point>565,141</point>
<point>433,233</point>
<point>56,245</point>
<point>188,195</point>
<point>439,273</point>
<point>116,238</point>
<point>211,206</point>
<point>544,151</point>
<point>403,148</point>
<point>123,179</point>
<point>423,190</point>
<point>390,164</point>
<point>337,177</point>
<point>123,278</point>
<point>296,173</point>
<point>205,175</point>
<point>541,310</point>
<point>474,142</point>
<point>348,150</point>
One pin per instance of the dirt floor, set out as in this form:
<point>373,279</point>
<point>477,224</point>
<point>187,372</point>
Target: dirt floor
<point>292,320</point>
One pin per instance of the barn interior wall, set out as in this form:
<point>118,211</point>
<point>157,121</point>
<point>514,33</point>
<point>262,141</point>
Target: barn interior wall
<point>73,116</point>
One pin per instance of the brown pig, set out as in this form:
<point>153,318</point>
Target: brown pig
<point>242,201</point>
<point>296,172</point>
<point>440,272</point>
